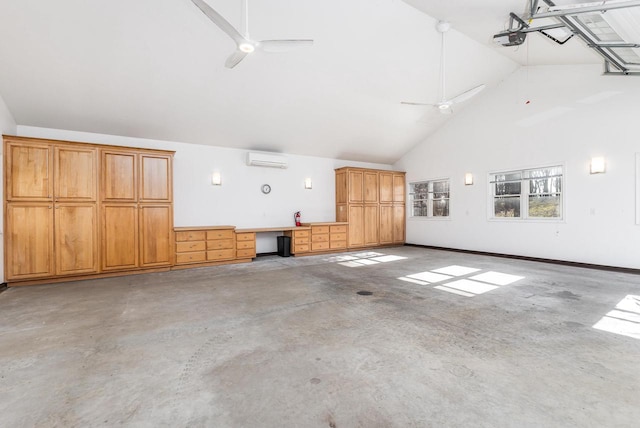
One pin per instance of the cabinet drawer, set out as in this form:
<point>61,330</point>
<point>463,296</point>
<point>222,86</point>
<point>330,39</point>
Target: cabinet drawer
<point>245,236</point>
<point>319,229</point>
<point>191,257</point>
<point>189,246</point>
<point>301,241</point>
<point>301,233</point>
<point>221,254</point>
<point>338,237</point>
<point>320,238</point>
<point>338,244</point>
<point>338,229</point>
<point>219,234</point>
<point>220,244</point>
<point>196,235</point>
<point>242,245</point>
<point>246,253</point>
<point>315,246</point>
<point>300,248</point>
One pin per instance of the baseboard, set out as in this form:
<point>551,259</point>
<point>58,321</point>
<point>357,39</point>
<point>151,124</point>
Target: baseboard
<point>533,259</point>
<point>275,253</point>
<point>3,287</point>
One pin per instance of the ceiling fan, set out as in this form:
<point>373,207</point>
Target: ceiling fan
<point>445,105</point>
<point>244,44</point>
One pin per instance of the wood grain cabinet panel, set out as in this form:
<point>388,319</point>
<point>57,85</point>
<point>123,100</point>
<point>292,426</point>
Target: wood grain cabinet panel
<point>155,178</point>
<point>245,245</point>
<point>119,176</point>
<point>155,235</point>
<point>191,235</point>
<point>371,208</point>
<point>386,224</point>
<point>189,246</point>
<point>28,172</point>
<point>370,187</point>
<point>119,237</point>
<point>356,187</point>
<point>29,241</point>
<point>76,238</point>
<point>76,174</point>
<point>341,188</point>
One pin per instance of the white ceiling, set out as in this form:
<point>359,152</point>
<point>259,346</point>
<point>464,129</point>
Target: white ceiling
<point>154,69</point>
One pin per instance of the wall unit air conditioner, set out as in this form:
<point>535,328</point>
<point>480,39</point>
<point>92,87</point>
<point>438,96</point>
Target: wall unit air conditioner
<point>270,160</point>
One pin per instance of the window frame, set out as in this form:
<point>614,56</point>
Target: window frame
<point>524,195</point>
<point>430,199</point>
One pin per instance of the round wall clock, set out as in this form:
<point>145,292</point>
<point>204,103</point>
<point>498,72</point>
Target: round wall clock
<point>265,189</point>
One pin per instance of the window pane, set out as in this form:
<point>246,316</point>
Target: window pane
<point>508,188</point>
<point>420,190</point>
<point>544,206</point>
<point>441,207</point>
<point>420,208</point>
<point>508,176</point>
<point>545,185</point>
<point>506,207</point>
<point>440,187</point>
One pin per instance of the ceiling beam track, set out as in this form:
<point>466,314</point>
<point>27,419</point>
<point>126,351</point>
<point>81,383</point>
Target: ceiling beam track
<point>584,9</point>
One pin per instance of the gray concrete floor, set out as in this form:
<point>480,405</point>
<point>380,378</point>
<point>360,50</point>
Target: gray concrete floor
<point>288,343</point>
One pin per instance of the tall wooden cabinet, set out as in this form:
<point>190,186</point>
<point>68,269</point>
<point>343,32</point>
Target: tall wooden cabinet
<point>373,203</point>
<point>75,209</point>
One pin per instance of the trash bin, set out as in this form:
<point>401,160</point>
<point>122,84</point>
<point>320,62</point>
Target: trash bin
<point>284,246</point>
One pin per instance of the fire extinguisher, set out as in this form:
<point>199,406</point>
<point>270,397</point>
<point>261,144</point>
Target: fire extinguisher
<point>296,217</point>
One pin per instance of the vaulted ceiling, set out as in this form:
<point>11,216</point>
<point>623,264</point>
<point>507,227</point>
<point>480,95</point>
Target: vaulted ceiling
<point>155,69</point>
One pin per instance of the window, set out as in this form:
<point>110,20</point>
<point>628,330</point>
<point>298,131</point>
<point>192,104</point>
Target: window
<point>528,194</point>
<point>430,198</point>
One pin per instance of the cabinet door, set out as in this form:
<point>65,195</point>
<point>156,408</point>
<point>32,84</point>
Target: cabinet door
<point>119,236</point>
<point>386,224</point>
<point>29,172</point>
<point>399,224</point>
<point>398,187</point>
<point>341,187</point>
<point>155,178</point>
<point>371,224</point>
<point>156,228</point>
<point>370,187</point>
<point>29,241</point>
<point>386,187</point>
<point>118,176</point>
<point>76,173</point>
<point>356,186</point>
<point>76,237</point>
<point>356,226</point>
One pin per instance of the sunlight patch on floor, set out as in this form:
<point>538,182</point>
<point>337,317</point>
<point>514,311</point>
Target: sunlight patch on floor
<point>468,287</point>
<point>624,319</point>
<point>364,259</point>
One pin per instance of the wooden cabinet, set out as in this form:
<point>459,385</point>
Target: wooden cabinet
<point>245,245</point>
<point>156,235</point>
<point>28,171</point>
<point>76,238</point>
<point>103,209</point>
<point>211,245</point>
<point>76,173</point>
<point>119,237</point>
<point>318,237</point>
<point>373,206</point>
<point>28,241</point>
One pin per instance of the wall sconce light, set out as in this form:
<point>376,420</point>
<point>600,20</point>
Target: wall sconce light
<point>597,165</point>
<point>216,180</point>
<point>468,179</point>
<point>307,183</point>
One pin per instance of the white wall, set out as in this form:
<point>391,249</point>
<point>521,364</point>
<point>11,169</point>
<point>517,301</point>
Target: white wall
<point>238,201</point>
<point>7,127</point>
<point>573,113</point>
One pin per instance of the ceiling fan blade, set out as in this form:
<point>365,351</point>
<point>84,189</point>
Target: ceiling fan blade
<point>219,20</point>
<point>468,94</point>
<point>283,45</point>
<point>416,104</point>
<point>235,58</point>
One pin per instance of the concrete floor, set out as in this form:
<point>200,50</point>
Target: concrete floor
<point>288,343</point>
